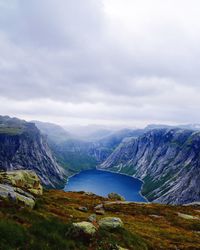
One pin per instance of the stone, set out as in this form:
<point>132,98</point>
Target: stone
<point>100,212</point>
<point>115,196</point>
<point>121,248</point>
<point>155,216</point>
<point>23,179</point>
<point>92,218</point>
<point>110,223</point>
<point>16,195</point>
<point>84,227</point>
<point>100,206</point>
<point>83,209</point>
<point>188,217</point>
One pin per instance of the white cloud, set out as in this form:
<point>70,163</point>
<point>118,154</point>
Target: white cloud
<point>103,61</point>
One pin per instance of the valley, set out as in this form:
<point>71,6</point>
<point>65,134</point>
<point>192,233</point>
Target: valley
<point>36,162</point>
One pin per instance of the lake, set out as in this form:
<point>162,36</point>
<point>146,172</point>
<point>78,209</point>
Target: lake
<point>103,182</point>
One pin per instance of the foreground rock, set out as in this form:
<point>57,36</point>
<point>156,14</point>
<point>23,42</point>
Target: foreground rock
<point>83,209</point>
<point>115,196</point>
<point>21,186</point>
<point>85,228</point>
<point>100,211</point>
<point>92,218</point>
<point>188,216</point>
<point>25,179</point>
<point>110,223</point>
<point>17,195</point>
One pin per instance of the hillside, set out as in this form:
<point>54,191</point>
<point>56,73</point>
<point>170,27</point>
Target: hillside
<point>23,147</point>
<point>49,224</point>
<point>167,160</point>
<point>76,154</point>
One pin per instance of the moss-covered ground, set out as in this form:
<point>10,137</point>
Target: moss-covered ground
<point>48,225</point>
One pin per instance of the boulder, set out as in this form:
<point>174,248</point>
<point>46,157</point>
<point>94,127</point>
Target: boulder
<point>92,218</point>
<point>110,223</point>
<point>24,179</point>
<point>115,196</point>
<point>188,216</point>
<point>17,195</point>
<point>100,211</point>
<point>100,206</point>
<point>20,186</point>
<point>83,209</point>
<point>84,228</point>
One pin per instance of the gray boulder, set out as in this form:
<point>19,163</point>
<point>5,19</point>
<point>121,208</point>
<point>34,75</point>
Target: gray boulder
<point>85,228</point>
<point>110,223</point>
<point>17,195</point>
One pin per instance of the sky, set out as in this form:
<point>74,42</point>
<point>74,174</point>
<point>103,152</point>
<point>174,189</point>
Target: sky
<point>107,62</point>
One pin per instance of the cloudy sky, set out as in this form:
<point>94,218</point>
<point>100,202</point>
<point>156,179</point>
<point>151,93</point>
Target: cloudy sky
<point>112,62</point>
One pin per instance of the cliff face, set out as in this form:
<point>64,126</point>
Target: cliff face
<point>167,160</point>
<point>23,147</point>
<point>76,155</point>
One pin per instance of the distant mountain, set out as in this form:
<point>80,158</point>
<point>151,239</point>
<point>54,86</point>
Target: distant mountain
<point>167,160</point>
<point>89,132</point>
<point>54,132</point>
<point>158,126</point>
<point>114,139</point>
<point>76,154</point>
<point>23,147</point>
<point>190,126</point>
<point>183,126</point>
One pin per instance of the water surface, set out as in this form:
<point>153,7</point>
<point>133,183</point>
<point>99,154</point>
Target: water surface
<point>103,182</point>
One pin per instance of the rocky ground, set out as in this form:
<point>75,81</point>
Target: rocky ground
<point>68,220</point>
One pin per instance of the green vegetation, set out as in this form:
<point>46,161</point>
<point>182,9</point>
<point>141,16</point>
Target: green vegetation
<point>49,225</point>
<point>129,170</point>
<point>11,130</point>
<point>150,185</point>
<point>75,162</point>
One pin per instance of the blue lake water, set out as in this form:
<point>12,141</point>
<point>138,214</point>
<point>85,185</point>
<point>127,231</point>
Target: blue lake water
<point>102,183</point>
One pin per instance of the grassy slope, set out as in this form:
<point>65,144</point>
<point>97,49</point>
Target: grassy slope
<point>147,226</point>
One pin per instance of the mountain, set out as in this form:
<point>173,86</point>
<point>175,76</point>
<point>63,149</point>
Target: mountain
<point>54,132</point>
<point>76,154</point>
<point>167,160</point>
<point>89,132</point>
<point>195,127</point>
<point>23,147</point>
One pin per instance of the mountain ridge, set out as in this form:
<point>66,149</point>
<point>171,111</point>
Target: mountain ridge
<point>23,147</point>
<point>166,160</point>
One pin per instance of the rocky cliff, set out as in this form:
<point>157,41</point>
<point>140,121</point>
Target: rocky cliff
<point>167,160</point>
<point>23,147</point>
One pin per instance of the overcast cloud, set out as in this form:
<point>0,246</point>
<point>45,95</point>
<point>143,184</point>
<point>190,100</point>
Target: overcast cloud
<point>111,62</point>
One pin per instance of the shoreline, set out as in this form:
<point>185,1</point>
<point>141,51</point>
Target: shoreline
<point>147,201</point>
<point>128,176</point>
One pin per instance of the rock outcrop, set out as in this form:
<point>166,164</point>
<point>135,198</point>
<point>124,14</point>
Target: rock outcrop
<point>21,186</point>
<point>167,160</point>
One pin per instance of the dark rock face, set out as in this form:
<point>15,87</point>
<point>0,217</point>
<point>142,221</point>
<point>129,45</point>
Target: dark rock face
<point>23,147</point>
<point>167,160</point>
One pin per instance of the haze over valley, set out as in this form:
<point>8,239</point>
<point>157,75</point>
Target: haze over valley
<point>99,125</point>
